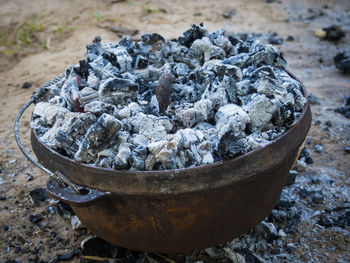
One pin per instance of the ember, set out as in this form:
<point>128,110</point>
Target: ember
<point>160,104</point>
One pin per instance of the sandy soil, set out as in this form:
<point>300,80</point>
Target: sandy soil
<point>310,59</point>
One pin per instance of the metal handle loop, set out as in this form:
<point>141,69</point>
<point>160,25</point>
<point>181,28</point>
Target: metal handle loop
<point>57,176</point>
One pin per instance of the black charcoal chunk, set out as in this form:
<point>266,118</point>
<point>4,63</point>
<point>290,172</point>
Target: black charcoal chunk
<point>26,85</point>
<point>118,91</point>
<point>342,62</point>
<point>194,33</point>
<point>38,195</point>
<point>230,146</point>
<point>99,135</point>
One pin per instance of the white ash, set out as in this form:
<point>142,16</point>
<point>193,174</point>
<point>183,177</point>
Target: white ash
<point>227,97</point>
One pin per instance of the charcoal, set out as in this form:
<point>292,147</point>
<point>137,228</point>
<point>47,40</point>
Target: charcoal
<point>260,110</point>
<point>230,146</point>
<point>231,118</point>
<point>347,149</point>
<point>219,39</point>
<point>67,133</point>
<point>70,92</point>
<point>105,158</point>
<point>97,108</point>
<point>83,69</point>
<point>342,62</point>
<point>35,219</point>
<point>49,113</point>
<point>38,194</point>
<point>141,62</point>
<point>305,155</point>
<point>333,33</point>
<point>118,91</point>
<point>313,99</point>
<point>181,69</point>
<point>206,50</point>
<point>46,93</point>
<point>26,85</point>
<point>160,104</point>
<point>122,158</point>
<point>196,32</point>
<point>130,110</point>
<point>275,40</point>
<point>98,135</point>
<point>138,157</point>
<point>94,49</point>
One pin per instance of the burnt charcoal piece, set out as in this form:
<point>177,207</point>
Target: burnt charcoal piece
<point>345,110</point>
<point>163,92</point>
<point>191,35</point>
<point>290,38</point>
<point>313,99</point>
<point>93,50</point>
<point>285,201</point>
<point>287,113</point>
<point>344,219</point>
<point>35,219</point>
<point>38,195</point>
<point>141,62</point>
<point>83,69</point>
<point>266,231</point>
<point>274,39</point>
<point>118,91</point>
<point>304,193</point>
<point>26,85</point>
<point>29,177</point>
<point>230,146</point>
<point>334,33</point>
<point>150,39</point>
<point>305,155</point>
<point>112,58</point>
<point>342,62</point>
<point>325,221</point>
<point>99,135</point>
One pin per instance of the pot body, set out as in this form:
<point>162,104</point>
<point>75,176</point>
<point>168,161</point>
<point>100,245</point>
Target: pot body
<point>178,211</point>
<point>185,222</point>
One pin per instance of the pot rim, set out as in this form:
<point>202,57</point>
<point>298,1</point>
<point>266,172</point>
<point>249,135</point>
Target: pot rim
<point>183,180</point>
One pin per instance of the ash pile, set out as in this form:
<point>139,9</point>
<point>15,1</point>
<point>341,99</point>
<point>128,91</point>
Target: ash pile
<point>162,104</point>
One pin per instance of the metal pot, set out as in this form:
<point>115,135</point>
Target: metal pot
<point>174,211</point>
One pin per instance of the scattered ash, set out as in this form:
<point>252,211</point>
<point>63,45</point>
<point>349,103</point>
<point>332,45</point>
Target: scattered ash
<point>160,104</point>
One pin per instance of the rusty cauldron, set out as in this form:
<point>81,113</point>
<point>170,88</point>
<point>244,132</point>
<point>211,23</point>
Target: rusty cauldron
<point>173,211</point>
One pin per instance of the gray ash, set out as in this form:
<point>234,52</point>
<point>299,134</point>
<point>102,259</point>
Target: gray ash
<point>160,104</point>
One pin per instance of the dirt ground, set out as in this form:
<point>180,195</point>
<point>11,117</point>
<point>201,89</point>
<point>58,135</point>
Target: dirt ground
<point>67,26</point>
